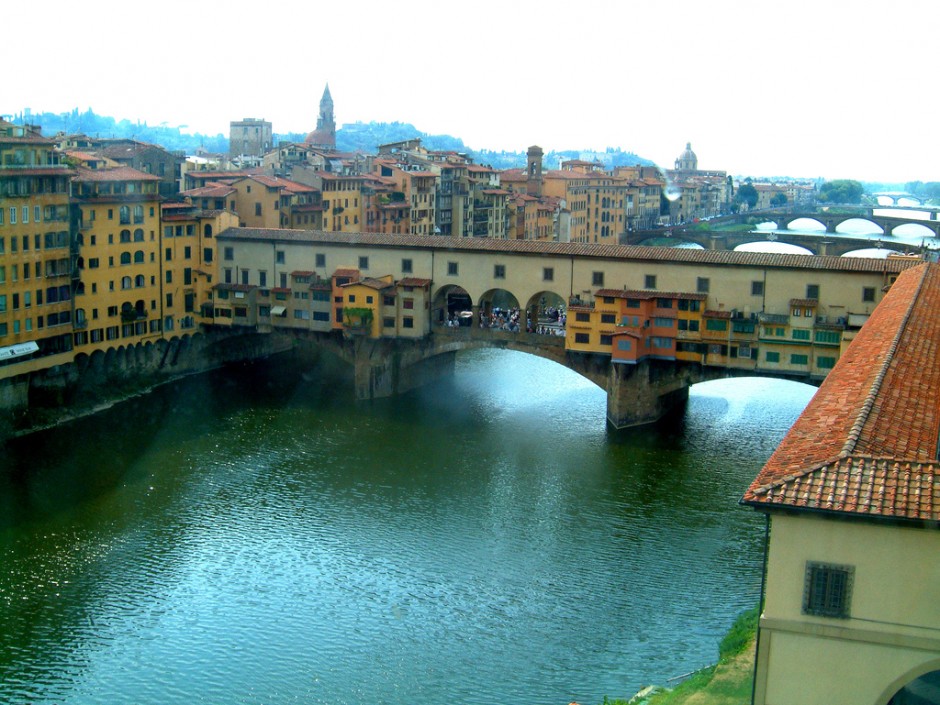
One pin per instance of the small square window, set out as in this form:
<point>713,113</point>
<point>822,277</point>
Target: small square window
<point>827,590</point>
<point>649,281</point>
<point>452,269</point>
<point>812,291</point>
<point>702,285</point>
<point>499,271</point>
<point>320,260</point>
<point>868,294</point>
<point>548,274</point>
<point>406,266</point>
<point>363,263</point>
<point>757,288</point>
<point>597,279</point>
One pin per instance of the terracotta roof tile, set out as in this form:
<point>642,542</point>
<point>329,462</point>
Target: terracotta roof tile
<point>566,249</point>
<point>867,441</point>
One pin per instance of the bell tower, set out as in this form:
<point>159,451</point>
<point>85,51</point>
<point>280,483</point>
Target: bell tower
<point>534,171</point>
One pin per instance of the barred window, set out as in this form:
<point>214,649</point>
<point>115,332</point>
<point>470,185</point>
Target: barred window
<point>827,590</point>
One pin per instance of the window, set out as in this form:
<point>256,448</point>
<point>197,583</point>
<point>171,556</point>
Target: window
<point>688,324</point>
<point>499,271</point>
<point>702,284</point>
<point>279,256</point>
<point>228,254</point>
<point>799,359</point>
<point>868,294</point>
<point>548,274</point>
<point>408,322</point>
<point>812,291</point>
<point>832,337</point>
<point>582,338</point>
<point>363,263</point>
<point>406,267</point>
<point>624,344</point>
<point>388,322</point>
<point>582,317</point>
<point>169,276</point>
<point>772,356</point>
<point>597,279</point>
<point>827,590</point>
<point>408,303</point>
<point>649,281</point>
<point>663,322</point>
<point>207,255</point>
<point>661,343</point>
<point>319,259</point>
<point>452,269</point>
<point>800,334</point>
<point>609,318</point>
<point>826,363</point>
<point>257,209</point>
<point>757,288</point>
<point>716,324</point>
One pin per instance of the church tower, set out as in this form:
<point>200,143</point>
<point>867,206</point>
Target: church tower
<point>534,171</point>
<point>325,134</point>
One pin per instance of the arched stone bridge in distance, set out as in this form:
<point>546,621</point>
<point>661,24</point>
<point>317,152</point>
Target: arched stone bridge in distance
<point>636,394</point>
<point>822,244</point>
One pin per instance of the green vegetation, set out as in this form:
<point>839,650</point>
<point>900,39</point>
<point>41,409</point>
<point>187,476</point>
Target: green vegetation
<point>840,191</point>
<point>746,195</point>
<point>357,317</point>
<point>729,682</point>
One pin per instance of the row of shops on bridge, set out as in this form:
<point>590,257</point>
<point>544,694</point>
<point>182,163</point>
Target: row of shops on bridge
<point>627,325</point>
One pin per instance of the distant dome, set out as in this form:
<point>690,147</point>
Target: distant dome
<point>687,161</point>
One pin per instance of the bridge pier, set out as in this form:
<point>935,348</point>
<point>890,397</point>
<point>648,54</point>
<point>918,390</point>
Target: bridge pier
<point>644,393</point>
<point>387,367</point>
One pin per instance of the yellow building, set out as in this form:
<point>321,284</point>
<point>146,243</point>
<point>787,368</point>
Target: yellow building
<point>37,274</point>
<point>851,601</point>
<point>190,263</point>
<point>119,296</point>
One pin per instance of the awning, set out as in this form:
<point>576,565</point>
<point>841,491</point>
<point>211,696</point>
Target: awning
<point>18,350</point>
<point>278,310</point>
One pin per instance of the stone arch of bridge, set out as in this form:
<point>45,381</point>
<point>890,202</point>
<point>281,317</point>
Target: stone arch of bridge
<point>496,298</point>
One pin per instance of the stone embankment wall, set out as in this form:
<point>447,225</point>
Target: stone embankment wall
<point>46,397</point>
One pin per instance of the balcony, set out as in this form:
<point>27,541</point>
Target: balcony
<point>132,315</point>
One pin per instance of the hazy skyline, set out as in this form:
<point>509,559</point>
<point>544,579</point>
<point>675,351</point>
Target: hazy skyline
<point>805,89</point>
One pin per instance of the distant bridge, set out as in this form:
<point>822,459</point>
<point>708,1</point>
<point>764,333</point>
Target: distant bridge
<point>822,244</point>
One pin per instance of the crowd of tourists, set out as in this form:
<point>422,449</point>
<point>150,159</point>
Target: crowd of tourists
<point>551,320</point>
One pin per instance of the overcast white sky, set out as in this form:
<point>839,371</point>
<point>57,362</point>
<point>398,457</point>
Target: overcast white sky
<point>815,89</point>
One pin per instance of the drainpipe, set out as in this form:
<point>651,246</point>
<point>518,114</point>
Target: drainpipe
<point>760,605</point>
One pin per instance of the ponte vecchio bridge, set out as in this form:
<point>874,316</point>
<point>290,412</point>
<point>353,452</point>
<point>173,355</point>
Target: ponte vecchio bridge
<point>418,279</point>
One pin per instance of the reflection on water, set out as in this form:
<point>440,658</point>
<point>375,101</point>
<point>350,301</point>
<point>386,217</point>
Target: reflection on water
<point>255,537</point>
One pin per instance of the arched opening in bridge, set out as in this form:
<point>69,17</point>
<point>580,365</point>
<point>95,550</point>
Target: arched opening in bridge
<point>872,252</point>
<point>858,226</point>
<point>924,690</point>
<point>806,225</point>
<point>671,242</point>
<point>780,248</point>
<point>547,313</point>
<point>452,303</point>
<point>500,309</point>
<point>915,232</point>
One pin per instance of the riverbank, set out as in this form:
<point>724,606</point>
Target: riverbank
<point>729,682</point>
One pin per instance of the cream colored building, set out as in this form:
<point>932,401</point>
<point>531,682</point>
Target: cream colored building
<point>851,604</point>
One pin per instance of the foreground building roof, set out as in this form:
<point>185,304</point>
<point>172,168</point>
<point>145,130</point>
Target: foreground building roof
<point>867,443</point>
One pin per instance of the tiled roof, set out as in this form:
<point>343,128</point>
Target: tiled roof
<point>717,314</point>
<point>371,283</point>
<point>120,173</point>
<point>637,253</point>
<point>804,302</point>
<point>648,294</point>
<point>866,443</point>
<point>414,281</point>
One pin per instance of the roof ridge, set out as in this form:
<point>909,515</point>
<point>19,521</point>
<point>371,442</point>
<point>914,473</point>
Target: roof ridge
<point>856,430</point>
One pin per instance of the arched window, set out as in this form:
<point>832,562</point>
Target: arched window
<point>125,258</point>
<point>125,236</point>
<point>125,215</point>
<point>139,257</point>
<point>80,318</point>
<point>138,235</point>
<point>138,214</point>
<point>207,230</point>
<point>125,282</point>
<point>139,280</point>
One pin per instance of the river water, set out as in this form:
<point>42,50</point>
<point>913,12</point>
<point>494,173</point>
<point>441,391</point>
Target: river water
<point>252,536</point>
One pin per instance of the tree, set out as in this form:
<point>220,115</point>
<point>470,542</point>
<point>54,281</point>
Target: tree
<point>778,200</point>
<point>746,194</point>
<point>840,191</point>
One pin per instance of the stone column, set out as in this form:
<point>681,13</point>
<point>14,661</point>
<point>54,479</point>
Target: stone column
<point>643,393</point>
